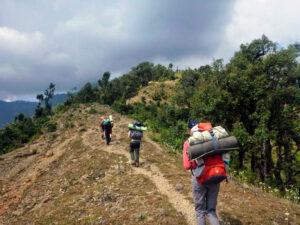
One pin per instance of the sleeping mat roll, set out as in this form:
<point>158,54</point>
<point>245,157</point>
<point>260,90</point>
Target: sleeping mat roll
<point>132,127</point>
<point>207,148</point>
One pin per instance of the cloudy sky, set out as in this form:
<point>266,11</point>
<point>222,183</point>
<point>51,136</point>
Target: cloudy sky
<point>71,42</point>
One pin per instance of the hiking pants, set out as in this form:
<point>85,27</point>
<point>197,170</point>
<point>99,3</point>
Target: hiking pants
<point>205,199</point>
<point>107,136</point>
<point>134,151</point>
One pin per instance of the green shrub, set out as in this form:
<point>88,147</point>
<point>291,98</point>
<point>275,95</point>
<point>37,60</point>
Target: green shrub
<point>62,108</point>
<point>53,137</point>
<point>69,124</point>
<point>92,111</point>
<point>156,96</point>
<point>51,127</point>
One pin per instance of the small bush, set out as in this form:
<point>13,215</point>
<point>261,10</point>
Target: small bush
<point>62,108</point>
<point>92,111</point>
<point>156,96</point>
<point>53,137</point>
<point>75,106</point>
<point>51,127</point>
<point>69,124</point>
<point>143,99</point>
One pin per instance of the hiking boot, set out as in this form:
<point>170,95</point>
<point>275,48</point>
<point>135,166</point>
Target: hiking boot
<point>133,163</point>
<point>137,164</point>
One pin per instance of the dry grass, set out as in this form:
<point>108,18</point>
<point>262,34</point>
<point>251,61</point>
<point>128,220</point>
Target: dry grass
<point>168,87</point>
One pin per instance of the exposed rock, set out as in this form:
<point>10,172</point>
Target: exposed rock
<point>179,187</point>
<point>140,217</point>
<point>49,154</point>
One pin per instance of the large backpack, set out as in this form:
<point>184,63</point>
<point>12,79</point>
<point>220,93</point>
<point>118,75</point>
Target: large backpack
<point>107,125</point>
<point>136,134</point>
<point>213,170</point>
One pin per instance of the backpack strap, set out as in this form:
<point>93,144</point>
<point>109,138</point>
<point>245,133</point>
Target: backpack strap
<point>215,143</point>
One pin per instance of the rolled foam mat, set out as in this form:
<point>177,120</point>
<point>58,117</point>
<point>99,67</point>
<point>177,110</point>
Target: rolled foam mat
<point>131,127</point>
<point>207,148</point>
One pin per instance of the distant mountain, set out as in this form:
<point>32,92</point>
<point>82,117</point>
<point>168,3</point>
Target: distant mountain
<point>8,110</point>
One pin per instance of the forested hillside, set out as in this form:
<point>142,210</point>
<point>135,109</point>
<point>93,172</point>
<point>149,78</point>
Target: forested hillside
<point>10,109</point>
<point>255,96</point>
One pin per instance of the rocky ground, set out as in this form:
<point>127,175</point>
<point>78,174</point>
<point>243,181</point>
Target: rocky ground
<point>72,177</point>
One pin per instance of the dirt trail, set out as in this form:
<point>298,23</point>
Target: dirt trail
<point>179,202</point>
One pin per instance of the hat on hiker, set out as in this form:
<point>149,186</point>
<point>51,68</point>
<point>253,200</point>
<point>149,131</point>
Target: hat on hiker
<point>192,123</point>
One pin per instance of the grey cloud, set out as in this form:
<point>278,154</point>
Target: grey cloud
<point>82,39</point>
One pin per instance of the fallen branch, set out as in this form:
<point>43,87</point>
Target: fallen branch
<point>25,154</point>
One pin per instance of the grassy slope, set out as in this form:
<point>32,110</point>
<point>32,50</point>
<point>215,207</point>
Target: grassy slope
<point>155,86</point>
<point>76,179</point>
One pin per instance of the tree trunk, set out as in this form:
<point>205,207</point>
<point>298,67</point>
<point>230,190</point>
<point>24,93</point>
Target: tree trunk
<point>277,170</point>
<point>264,159</point>
<point>289,159</point>
<point>253,161</point>
<point>269,160</point>
<point>241,158</point>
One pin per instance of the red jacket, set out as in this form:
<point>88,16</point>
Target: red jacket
<point>186,161</point>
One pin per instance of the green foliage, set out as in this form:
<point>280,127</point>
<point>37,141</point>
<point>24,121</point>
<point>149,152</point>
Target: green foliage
<point>17,133</point>
<point>62,108</point>
<point>156,96</point>
<point>143,99</point>
<point>86,94</point>
<point>51,126</point>
<point>122,107</point>
<point>92,111</point>
<point>255,96</point>
<point>46,99</point>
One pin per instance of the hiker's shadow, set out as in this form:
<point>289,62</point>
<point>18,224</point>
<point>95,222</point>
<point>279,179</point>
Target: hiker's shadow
<point>227,219</point>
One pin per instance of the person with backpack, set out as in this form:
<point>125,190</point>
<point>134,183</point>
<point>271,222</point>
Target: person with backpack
<point>106,128</point>
<point>207,173</point>
<point>135,138</point>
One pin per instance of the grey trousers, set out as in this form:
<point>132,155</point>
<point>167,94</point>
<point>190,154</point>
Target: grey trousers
<point>205,199</point>
<point>134,151</point>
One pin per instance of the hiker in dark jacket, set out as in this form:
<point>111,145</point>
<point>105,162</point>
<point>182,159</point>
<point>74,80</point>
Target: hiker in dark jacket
<point>106,127</point>
<point>135,138</point>
<point>205,196</point>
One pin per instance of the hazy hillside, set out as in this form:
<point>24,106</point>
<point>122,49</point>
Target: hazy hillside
<point>10,109</point>
<point>71,177</point>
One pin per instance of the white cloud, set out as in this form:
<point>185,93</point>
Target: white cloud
<point>277,19</point>
<point>19,42</point>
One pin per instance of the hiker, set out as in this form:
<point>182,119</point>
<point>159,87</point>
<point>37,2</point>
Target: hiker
<point>205,195</point>
<point>135,138</point>
<point>106,128</point>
